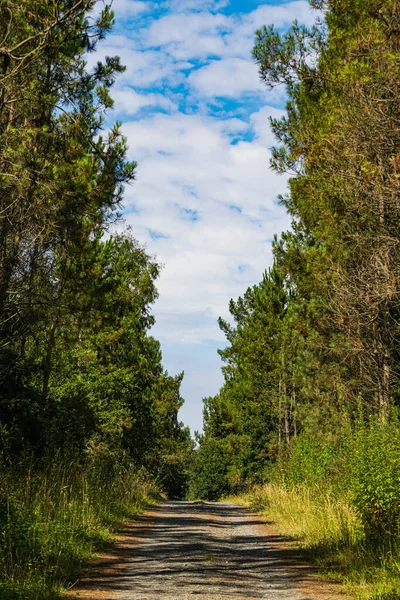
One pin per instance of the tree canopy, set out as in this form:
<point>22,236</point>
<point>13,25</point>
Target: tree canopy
<point>319,334</point>
<point>80,372</point>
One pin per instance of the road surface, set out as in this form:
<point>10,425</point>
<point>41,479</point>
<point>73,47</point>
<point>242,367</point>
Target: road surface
<point>203,551</point>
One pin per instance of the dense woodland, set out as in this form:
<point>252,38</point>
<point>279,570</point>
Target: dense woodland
<point>80,373</point>
<point>318,338</point>
<point>85,404</point>
<point>312,364</point>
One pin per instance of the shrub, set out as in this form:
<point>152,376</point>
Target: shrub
<point>376,479</point>
<point>52,521</point>
<point>209,475</point>
<point>309,460</point>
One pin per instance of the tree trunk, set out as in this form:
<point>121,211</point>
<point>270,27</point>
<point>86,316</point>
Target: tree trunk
<point>280,411</point>
<point>287,424</point>
<point>384,389</point>
<point>294,411</point>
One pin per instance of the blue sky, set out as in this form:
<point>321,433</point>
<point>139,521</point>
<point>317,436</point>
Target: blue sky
<point>196,118</point>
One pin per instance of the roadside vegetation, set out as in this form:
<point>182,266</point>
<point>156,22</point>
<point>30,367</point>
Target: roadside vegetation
<point>306,425</point>
<point>54,520</point>
<point>89,432</point>
<point>343,511</point>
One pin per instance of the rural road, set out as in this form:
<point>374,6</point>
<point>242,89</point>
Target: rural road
<point>208,551</point>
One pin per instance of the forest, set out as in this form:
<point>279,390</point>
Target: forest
<point>306,426</point>
<point>88,416</point>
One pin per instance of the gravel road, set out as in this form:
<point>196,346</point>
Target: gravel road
<point>209,551</point>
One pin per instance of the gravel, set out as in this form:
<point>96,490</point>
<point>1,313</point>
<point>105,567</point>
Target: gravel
<point>208,551</point>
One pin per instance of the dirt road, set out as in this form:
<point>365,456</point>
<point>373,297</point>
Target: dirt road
<point>210,551</point>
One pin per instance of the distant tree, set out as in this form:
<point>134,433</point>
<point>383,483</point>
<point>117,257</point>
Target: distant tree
<point>209,471</point>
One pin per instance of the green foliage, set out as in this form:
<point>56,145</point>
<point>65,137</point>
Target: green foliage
<point>82,387</point>
<point>361,463</point>
<point>78,366</point>
<point>309,461</point>
<point>320,331</point>
<point>338,496</point>
<point>209,472</point>
<point>376,480</point>
<point>52,522</point>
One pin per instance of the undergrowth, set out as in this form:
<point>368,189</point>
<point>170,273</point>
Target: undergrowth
<point>331,533</point>
<point>339,499</point>
<point>53,521</point>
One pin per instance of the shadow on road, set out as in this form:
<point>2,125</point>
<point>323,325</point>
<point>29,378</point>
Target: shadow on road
<point>211,551</point>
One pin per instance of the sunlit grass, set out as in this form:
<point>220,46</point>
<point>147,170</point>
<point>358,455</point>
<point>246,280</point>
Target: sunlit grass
<point>51,524</point>
<point>328,529</point>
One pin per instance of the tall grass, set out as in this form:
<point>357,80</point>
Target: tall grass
<point>330,531</point>
<point>53,521</point>
<point>338,496</point>
<point>313,516</point>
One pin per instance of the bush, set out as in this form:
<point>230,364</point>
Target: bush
<point>376,479</point>
<point>361,463</point>
<point>209,476</point>
<point>338,494</point>
<point>51,522</point>
<point>309,460</point>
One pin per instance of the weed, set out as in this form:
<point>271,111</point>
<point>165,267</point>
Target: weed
<point>330,530</point>
<point>52,522</point>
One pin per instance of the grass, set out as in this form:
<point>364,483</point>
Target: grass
<point>329,531</point>
<point>52,523</point>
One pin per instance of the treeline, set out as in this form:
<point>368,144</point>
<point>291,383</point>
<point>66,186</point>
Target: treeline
<point>312,360</point>
<point>83,394</point>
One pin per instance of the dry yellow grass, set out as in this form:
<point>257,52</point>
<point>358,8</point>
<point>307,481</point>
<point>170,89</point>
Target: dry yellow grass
<point>330,528</point>
<point>311,516</point>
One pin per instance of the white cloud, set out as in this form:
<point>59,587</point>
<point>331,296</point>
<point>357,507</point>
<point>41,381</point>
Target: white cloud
<point>128,8</point>
<point>186,5</point>
<point>280,16</point>
<point>260,122</point>
<point>229,77</point>
<point>129,102</point>
<point>187,36</point>
<point>189,169</point>
<point>145,69</point>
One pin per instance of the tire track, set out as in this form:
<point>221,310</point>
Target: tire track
<point>209,551</point>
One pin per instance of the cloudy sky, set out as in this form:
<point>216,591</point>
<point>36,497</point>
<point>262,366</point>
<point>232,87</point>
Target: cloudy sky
<point>196,117</point>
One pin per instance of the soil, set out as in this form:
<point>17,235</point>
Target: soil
<point>208,551</point>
